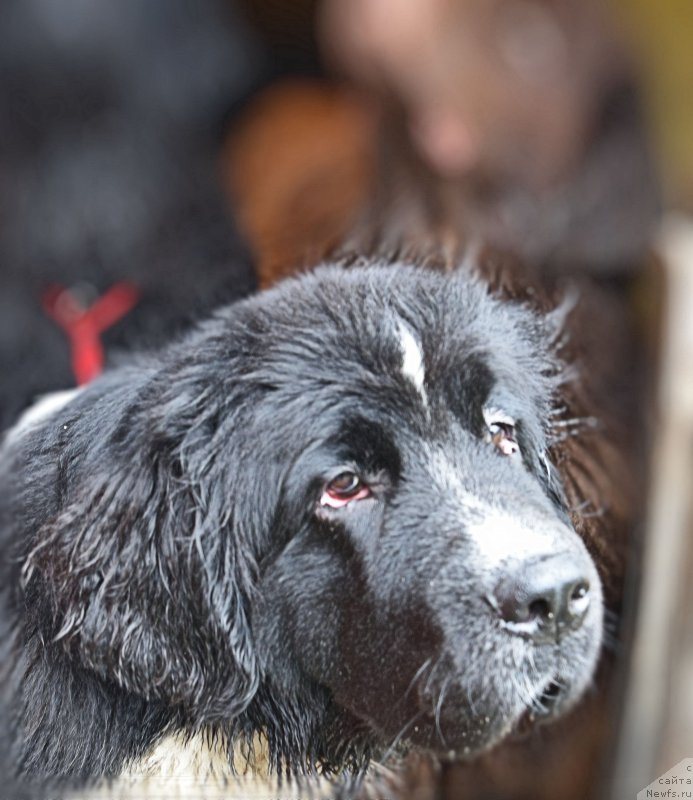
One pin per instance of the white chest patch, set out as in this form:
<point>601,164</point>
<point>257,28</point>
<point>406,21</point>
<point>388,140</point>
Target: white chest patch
<point>412,358</point>
<point>198,769</point>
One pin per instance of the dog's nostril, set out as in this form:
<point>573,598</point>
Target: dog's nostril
<point>579,599</point>
<point>549,699</point>
<point>539,609</point>
<point>551,692</point>
<point>543,598</point>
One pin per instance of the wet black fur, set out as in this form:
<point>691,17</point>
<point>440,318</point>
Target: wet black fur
<point>166,565</point>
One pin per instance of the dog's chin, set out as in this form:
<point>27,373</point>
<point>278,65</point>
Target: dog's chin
<point>451,732</point>
<point>456,719</point>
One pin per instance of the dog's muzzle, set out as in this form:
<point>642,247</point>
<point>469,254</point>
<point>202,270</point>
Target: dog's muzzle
<point>544,598</point>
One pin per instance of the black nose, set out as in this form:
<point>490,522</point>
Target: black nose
<point>545,598</point>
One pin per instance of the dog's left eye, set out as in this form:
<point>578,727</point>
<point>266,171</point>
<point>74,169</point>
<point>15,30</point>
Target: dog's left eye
<point>344,489</point>
<point>503,436</point>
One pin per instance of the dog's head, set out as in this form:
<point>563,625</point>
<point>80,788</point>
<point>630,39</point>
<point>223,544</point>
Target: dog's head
<point>428,574</point>
<point>332,505</point>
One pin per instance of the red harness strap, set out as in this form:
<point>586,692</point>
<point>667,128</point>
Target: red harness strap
<point>84,326</point>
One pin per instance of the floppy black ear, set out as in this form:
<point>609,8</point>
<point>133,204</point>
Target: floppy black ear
<point>149,565</point>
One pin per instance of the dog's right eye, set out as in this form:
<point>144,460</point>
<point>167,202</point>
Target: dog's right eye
<point>343,489</point>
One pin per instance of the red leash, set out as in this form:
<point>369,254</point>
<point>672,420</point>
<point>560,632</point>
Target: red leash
<point>84,326</point>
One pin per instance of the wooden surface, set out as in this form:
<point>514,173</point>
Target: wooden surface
<point>657,730</point>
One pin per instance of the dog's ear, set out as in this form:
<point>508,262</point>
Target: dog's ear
<point>150,565</point>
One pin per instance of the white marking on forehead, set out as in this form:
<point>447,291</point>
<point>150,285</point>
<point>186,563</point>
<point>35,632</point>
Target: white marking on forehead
<point>412,358</point>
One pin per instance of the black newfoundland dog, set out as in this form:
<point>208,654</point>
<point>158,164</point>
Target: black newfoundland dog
<point>326,515</point>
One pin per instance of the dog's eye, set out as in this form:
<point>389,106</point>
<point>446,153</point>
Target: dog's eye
<point>345,485</point>
<point>343,489</point>
<point>503,437</point>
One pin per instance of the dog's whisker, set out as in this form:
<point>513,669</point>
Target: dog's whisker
<point>576,422</point>
<point>438,710</point>
<point>582,510</point>
<point>417,675</point>
<point>432,672</point>
<point>398,738</point>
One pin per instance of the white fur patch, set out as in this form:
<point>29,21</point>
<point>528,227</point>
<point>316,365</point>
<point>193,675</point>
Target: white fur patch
<point>497,536</point>
<point>198,769</point>
<point>412,358</point>
<point>494,534</point>
<point>41,410</point>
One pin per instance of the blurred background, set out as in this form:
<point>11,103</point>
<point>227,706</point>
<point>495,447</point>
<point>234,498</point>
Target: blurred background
<point>188,151</point>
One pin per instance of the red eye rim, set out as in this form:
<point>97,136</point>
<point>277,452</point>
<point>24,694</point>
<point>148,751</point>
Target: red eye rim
<point>346,488</point>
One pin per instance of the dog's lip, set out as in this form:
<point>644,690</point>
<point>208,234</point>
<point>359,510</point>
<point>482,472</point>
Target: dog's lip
<point>454,738</point>
<point>545,704</point>
<point>543,709</point>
